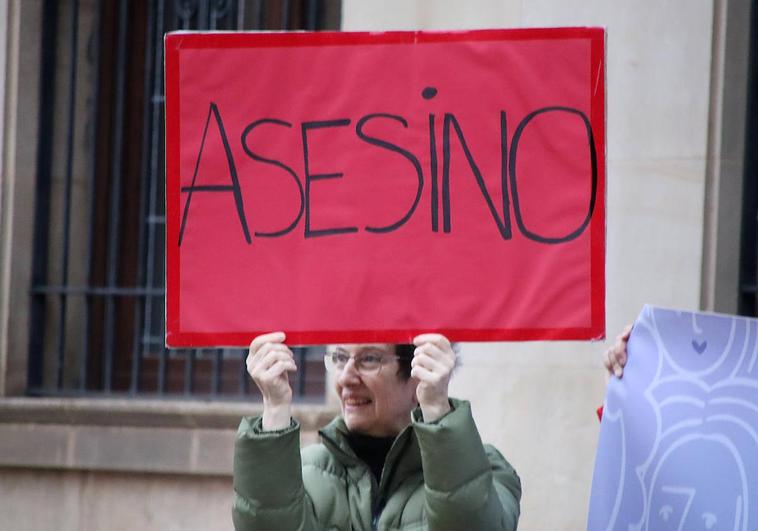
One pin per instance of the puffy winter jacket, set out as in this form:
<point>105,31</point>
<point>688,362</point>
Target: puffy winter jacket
<point>437,476</point>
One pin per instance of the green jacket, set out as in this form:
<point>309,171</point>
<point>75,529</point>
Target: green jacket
<point>437,476</point>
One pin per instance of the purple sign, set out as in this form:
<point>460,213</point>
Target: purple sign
<point>678,442</point>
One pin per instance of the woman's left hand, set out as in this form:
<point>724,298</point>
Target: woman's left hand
<point>432,366</point>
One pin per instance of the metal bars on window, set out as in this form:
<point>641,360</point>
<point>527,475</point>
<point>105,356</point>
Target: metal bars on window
<point>97,294</point>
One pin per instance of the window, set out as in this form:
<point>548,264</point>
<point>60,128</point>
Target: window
<point>97,294</point>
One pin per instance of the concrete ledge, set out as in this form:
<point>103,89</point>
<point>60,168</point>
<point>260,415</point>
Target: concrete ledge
<point>148,413</point>
<point>108,448</point>
<point>138,436</point>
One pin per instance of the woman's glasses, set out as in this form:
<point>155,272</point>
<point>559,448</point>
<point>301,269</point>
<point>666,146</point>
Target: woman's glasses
<point>367,363</point>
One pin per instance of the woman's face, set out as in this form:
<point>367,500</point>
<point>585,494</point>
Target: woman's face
<point>377,404</point>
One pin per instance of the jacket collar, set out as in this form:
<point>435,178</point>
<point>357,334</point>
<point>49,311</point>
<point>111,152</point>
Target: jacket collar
<point>403,459</point>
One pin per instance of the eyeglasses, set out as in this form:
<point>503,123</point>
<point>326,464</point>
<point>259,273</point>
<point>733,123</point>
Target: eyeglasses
<point>366,364</point>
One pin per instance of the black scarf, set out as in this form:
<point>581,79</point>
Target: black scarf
<point>371,450</point>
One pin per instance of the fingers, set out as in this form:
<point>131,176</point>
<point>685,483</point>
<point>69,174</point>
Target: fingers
<point>436,339</point>
<point>272,337</point>
<point>270,373</point>
<point>428,363</point>
<point>434,354</point>
<point>608,362</point>
<point>263,343</point>
<point>615,357</point>
<point>619,349</point>
<point>266,356</point>
<point>269,358</point>
<point>278,368</point>
<point>612,364</point>
<point>432,365</point>
<point>277,357</point>
<point>424,375</point>
<point>433,360</point>
<point>432,357</point>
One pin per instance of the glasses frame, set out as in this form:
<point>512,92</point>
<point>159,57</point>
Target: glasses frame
<point>332,367</point>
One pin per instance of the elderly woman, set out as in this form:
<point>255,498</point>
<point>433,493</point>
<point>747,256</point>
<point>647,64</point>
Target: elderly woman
<point>402,455</point>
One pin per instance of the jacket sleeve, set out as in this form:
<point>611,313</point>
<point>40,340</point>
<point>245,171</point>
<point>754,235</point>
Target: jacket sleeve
<point>268,481</point>
<point>467,485</point>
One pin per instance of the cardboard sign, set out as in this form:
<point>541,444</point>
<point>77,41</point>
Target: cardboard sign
<point>365,187</point>
<point>679,438</point>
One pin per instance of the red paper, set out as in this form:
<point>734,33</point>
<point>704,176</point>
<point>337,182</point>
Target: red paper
<point>491,228</point>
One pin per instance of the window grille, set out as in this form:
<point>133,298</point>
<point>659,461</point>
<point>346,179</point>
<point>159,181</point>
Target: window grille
<point>97,294</point>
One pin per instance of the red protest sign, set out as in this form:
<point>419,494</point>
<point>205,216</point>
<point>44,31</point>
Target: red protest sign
<point>356,187</point>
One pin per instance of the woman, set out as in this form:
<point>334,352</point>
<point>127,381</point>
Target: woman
<point>402,455</point>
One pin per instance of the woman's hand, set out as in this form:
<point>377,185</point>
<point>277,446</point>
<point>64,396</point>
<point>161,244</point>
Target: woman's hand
<point>615,357</point>
<point>432,365</point>
<point>268,363</point>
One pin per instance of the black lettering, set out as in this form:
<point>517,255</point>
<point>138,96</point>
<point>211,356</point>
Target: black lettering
<point>433,173</point>
<point>397,149</point>
<point>305,127</point>
<point>254,156</point>
<point>428,93</point>
<point>234,187</point>
<point>504,225</point>
<point>514,181</point>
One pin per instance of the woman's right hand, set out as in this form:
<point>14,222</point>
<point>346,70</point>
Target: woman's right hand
<point>268,363</point>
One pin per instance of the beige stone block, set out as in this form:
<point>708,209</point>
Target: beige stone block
<point>34,446</point>
<point>39,499</point>
<point>55,433</point>
<point>655,234</point>
<point>17,179</point>
<point>558,354</point>
<point>543,420</point>
<point>123,502</point>
<point>658,70</point>
<point>88,501</point>
<point>213,451</point>
<point>426,14</point>
<point>114,448</point>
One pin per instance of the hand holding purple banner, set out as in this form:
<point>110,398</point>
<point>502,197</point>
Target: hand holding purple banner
<point>678,444</point>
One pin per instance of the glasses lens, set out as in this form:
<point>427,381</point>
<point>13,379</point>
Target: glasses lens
<point>368,363</point>
<point>335,361</point>
<point>365,364</point>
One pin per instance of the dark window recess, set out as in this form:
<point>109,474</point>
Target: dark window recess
<point>748,289</point>
<point>97,294</point>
